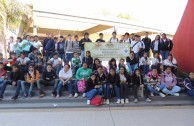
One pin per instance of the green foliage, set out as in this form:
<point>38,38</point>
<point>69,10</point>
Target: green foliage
<point>124,16</point>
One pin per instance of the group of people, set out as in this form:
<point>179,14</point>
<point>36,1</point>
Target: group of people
<point>62,62</point>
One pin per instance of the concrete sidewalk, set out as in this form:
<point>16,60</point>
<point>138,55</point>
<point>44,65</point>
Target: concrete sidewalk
<point>129,116</point>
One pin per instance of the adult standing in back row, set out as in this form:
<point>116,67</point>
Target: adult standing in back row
<point>166,46</point>
<point>82,43</point>
<point>49,48</point>
<point>147,43</point>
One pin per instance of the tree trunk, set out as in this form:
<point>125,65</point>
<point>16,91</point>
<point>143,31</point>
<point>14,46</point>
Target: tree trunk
<point>4,32</point>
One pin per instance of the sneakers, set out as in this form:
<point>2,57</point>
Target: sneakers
<point>126,101</point>
<point>176,94</point>
<point>122,101</point>
<point>148,100</point>
<point>75,95</point>
<point>53,94</point>
<point>58,96</point>
<point>162,95</point>
<point>84,95</point>
<point>42,94</point>
<point>152,94</point>
<point>70,96</point>
<point>14,97</point>
<point>88,102</point>
<point>107,101</point>
<point>135,100</point>
<point>118,101</point>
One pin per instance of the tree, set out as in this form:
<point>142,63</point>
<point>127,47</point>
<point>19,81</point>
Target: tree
<point>12,14</point>
<point>124,16</point>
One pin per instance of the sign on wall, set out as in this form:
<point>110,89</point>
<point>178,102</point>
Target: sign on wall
<point>106,51</point>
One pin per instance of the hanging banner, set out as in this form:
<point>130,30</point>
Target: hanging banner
<point>105,51</point>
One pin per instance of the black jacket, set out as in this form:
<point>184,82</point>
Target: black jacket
<point>136,80</point>
<point>83,40</point>
<point>153,45</point>
<point>128,78</point>
<point>90,84</point>
<point>166,46</point>
<point>147,43</point>
<point>132,61</point>
<point>49,76</point>
<point>18,75</point>
<point>101,77</point>
<point>114,80</point>
<point>89,61</point>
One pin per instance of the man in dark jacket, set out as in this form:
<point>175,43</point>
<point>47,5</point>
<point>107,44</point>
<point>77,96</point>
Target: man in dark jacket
<point>49,48</point>
<point>16,78</point>
<point>82,42</point>
<point>166,46</point>
<point>48,78</point>
<point>61,48</point>
<point>147,43</point>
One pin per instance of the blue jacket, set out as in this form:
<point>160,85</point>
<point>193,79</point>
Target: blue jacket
<point>189,84</point>
<point>61,47</point>
<point>50,46</point>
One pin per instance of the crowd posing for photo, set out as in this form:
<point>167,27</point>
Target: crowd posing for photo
<point>61,62</point>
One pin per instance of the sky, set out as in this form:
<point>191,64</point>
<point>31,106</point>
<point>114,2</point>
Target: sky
<point>162,14</point>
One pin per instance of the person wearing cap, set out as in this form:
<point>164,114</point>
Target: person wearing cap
<point>56,62</point>
<point>82,42</point>
<point>69,49</point>
<point>114,38</point>
<point>100,38</point>
<point>61,48</point>
<point>32,77</point>
<point>37,44</point>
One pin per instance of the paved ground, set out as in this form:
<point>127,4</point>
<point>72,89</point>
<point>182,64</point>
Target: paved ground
<point>133,116</point>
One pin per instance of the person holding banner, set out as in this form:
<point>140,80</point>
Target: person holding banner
<point>82,42</point>
<point>100,38</point>
<point>114,38</point>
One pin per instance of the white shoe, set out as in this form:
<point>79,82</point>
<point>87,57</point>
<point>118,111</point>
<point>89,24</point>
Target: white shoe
<point>122,101</point>
<point>176,94</point>
<point>118,101</point>
<point>162,95</point>
<point>152,94</point>
<point>84,95</point>
<point>135,100</point>
<point>126,101</point>
<point>107,101</point>
<point>88,102</point>
<point>75,95</point>
<point>148,100</point>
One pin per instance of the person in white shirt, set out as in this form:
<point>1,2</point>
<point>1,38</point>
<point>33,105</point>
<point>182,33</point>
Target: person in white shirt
<point>65,76</point>
<point>137,46</point>
<point>127,39</point>
<point>56,61</point>
<point>11,45</point>
<point>69,49</point>
<point>171,62</point>
<point>37,44</point>
<point>23,62</point>
<point>114,38</point>
<point>145,63</point>
<point>155,45</point>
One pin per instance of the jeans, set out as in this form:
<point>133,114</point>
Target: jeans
<point>145,69</point>
<point>23,85</point>
<point>58,68</point>
<point>60,85</point>
<point>151,88</point>
<point>48,55</point>
<point>124,89</point>
<point>132,67</point>
<point>137,55</point>
<point>69,56</point>
<point>46,83</point>
<point>164,54</point>
<point>24,68</point>
<point>2,86</point>
<point>136,89</point>
<point>82,54</point>
<point>62,56</point>
<point>90,94</point>
<point>190,93</point>
<point>174,90</point>
<point>116,90</point>
<point>75,86</point>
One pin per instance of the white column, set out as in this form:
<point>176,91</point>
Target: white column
<point>34,23</point>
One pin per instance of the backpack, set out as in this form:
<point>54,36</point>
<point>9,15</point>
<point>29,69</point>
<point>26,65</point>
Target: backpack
<point>96,100</point>
<point>81,85</point>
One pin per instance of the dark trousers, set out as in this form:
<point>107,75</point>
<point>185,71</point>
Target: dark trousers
<point>124,89</point>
